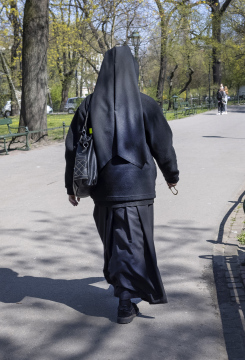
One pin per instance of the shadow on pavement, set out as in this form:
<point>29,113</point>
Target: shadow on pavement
<point>77,294</point>
<point>56,316</point>
<point>223,137</point>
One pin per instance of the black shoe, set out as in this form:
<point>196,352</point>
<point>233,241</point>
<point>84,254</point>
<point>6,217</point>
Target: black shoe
<point>126,314</point>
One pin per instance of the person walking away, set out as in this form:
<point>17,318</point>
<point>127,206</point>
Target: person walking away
<point>129,130</point>
<point>226,98</point>
<point>221,99</point>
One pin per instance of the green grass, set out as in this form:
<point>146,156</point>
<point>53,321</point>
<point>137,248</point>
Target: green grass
<point>170,116</point>
<point>57,120</point>
<point>241,238</point>
<point>52,121</point>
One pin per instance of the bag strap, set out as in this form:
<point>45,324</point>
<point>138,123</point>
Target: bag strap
<point>86,119</point>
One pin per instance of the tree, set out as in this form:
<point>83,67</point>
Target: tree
<point>10,81</point>
<point>217,11</point>
<point>65,42</point>
<point>34,65</point>
<point>13,18</point>
<point>166,10</point>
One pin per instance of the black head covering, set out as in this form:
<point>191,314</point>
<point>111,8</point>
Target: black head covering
<point>116,110</point>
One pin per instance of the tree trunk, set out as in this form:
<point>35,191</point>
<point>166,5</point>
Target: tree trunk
<point>66,83</point>
<point>163,64</point>
<point>13,16</point>
<point>216,35</point>
<point>163,54</point>
<point>217,13</point>
<point>34,66</point>
<point>185,88</point>
<point>170,86</point>
<point>162,75</point>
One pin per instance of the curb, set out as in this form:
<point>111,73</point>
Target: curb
<point>229,275</point>
<point>237,225</point>
<point>235,274</point>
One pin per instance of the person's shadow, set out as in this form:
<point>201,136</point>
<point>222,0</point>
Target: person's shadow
<point>78,294</point>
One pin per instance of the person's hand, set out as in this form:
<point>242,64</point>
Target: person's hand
<point>73,200</point>
<point>170,185</point>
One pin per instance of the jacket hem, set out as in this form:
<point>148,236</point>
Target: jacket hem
<point>125,198</point>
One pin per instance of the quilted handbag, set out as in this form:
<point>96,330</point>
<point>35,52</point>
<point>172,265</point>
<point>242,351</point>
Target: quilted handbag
<point>85,170</point>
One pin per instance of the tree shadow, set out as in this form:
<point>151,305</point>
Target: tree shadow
<point>222,137</point>
<point>52,246</point>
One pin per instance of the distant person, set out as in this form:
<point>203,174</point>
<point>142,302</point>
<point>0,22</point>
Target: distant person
<point>221,100</point>
<point>226,98</point>
<point>129,130</point>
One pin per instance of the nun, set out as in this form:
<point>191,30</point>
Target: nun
<point>129,132</point>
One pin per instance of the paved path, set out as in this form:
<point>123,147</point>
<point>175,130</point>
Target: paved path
<point>54,304</point>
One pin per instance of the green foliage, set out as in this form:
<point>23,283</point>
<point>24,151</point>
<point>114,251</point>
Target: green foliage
<point>55,93</point>
<point>151,91</point>
<point>80,34</point>
<point>241,238</point>
<point>52,121</point>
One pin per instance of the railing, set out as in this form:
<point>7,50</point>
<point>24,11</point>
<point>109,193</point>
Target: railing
<point>64,126</point>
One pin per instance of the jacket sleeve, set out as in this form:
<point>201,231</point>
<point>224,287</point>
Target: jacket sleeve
<point>159,139</point>
<point>71,144</point>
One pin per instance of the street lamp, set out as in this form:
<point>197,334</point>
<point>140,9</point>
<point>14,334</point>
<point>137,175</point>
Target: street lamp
<point>209,79</point>
<point>135,36</point>
<point>175,97</point>
<point>209,75</point>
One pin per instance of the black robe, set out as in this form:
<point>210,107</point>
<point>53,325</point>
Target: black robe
<point>130,263</point>
<point>129,130</point>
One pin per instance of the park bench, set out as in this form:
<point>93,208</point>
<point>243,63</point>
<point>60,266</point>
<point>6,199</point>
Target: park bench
<point>177,110</point>
<point>188,110</point>
<point>164,111</point>
<point>13,135</point>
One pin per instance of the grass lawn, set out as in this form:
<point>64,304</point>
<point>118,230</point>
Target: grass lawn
<point>52,120</point>
<point>170,115</point>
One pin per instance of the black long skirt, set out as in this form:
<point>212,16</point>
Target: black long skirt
<point>130,262</point>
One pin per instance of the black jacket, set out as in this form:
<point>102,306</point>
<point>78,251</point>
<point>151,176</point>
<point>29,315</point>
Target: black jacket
<point>221,96</point>
<point>120,180</point>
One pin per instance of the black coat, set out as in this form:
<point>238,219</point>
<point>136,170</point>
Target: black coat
<point>120,180</point>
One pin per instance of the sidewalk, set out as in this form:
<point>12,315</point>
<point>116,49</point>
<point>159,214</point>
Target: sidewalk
<point>54,302</point>
<point>228,257</point>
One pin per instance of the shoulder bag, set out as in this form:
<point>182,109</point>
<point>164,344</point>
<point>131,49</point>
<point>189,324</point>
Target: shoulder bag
<point>85,170</point>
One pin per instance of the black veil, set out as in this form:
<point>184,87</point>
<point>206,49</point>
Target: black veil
<point>116,111</point>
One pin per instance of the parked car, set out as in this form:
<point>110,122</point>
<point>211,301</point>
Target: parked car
<point>72,104</point>
<point>6,110</point>
<point>49,109</point>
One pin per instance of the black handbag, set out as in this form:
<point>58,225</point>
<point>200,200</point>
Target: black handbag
<point>85,170</point>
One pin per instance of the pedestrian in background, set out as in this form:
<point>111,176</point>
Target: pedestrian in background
<point>226,98</point>
<point>221,99</point>
<point>129,129</point>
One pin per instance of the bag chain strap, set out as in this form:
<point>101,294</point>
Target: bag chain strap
<point>175,193</point>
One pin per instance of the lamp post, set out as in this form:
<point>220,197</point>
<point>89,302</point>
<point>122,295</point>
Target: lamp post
<point>175,97</point>
<point>209,75</point>
<point>209,78</point>
<point>135,36</point>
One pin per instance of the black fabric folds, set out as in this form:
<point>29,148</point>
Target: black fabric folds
<point>130,263</point>
<point>116,110</point>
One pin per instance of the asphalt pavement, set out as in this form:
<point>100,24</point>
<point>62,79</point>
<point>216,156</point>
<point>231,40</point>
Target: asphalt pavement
<point>54,302</point>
